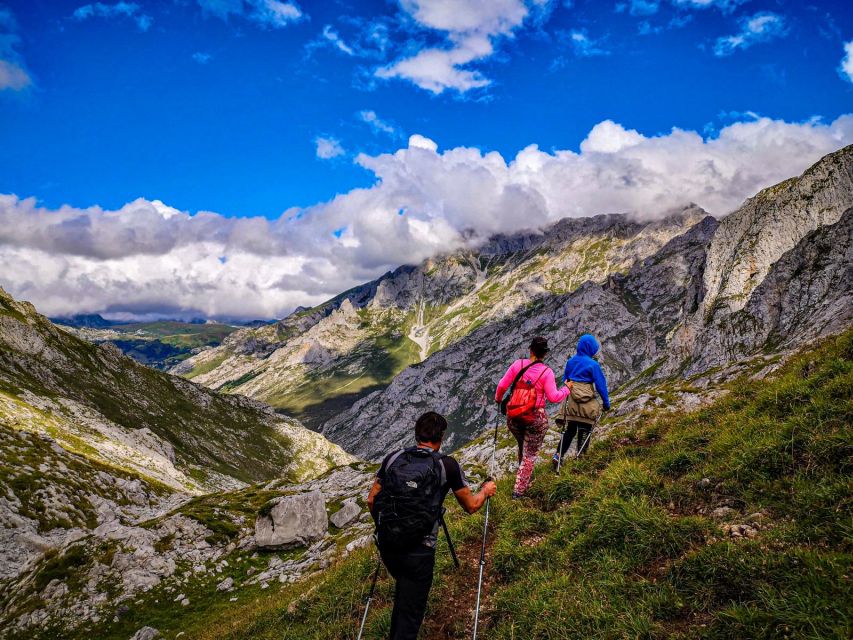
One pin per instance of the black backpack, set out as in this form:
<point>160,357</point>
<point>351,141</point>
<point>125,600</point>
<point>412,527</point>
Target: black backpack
<point>409,504</point>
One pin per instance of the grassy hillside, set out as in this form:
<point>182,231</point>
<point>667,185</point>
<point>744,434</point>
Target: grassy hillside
<point>731,522</point>
<point>98,403</point>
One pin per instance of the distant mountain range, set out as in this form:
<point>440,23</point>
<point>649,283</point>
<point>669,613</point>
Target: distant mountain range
<point>161,344</point>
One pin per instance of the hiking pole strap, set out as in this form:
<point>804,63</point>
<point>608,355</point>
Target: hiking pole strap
<point>449,541</point>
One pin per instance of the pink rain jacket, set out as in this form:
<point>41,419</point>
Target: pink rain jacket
<point>546,387</point>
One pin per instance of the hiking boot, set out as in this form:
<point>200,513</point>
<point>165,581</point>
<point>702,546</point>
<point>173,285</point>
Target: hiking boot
<point>555,461</point>
<point>517,496</point>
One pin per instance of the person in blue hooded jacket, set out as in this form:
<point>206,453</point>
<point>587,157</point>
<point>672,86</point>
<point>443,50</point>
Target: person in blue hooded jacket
<point>588,398</point>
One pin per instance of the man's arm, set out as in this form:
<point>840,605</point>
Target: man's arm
<point>376,488</point>
<point>473,502</point>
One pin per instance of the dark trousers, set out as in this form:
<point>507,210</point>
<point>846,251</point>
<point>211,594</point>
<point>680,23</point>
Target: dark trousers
<point>412,571</point>
<point>581,429</point>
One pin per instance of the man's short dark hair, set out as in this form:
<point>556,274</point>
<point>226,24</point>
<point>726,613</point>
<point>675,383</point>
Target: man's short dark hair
<point>430,427</point>
<point>539,347</point>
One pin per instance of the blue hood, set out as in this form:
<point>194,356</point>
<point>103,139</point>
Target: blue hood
<point>587,345</point>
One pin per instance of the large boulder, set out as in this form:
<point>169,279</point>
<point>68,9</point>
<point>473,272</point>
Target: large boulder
<point>146,633</point>
<point>292,521</point>
<point>348,512</point>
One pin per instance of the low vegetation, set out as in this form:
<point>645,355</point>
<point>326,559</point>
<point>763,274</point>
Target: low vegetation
<point>730,522</point>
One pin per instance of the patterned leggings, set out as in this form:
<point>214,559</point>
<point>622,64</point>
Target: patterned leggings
<point>530,439</point>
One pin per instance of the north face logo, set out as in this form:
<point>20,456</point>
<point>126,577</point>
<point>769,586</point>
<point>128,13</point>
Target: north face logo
<point>412,484</point>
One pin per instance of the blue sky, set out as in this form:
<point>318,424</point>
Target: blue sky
<point>238,158</point>
<point>178,101</point>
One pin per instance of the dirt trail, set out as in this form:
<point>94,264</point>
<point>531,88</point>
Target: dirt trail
<point>453,617</point>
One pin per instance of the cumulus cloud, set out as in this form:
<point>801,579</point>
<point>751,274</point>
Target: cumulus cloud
<point>13,72</point>
<point>470,28</point>
<point>328,148</point>
<point>426,200</point>
<point>761,27</point>
<point>846,68</point>
<point>119,9</point>
<point>271,14</point>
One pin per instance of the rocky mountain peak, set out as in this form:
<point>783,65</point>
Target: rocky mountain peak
<point>750,240</point>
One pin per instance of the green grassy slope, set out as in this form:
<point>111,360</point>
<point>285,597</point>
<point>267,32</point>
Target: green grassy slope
<point>624,545</point>
<point>211,433</point>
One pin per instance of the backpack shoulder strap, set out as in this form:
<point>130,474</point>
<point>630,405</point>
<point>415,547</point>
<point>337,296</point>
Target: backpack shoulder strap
<point>393,459</point>
<point>518,376</point>
<point>438,458</point>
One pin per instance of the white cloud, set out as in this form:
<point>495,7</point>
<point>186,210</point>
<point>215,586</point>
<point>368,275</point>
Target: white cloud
<point>726,6</point>
<point>119,9</point>
<point>377,124</point>
<point>331,36</point>
<point>639,7</point>
<point>13,73</point>
<point>148,257</point>
<point>846,68</point>
<point>267,13</point>
<point>202,57</point>
<point>328,148</point>
<point>760,27</point>
<point>584,46</point>
<point>470,28</point>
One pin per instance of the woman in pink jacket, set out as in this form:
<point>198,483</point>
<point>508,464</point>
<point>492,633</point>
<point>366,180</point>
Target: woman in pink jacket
<point>530,429</point>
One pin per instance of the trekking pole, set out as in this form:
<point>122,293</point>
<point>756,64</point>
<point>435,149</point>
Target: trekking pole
<point>449,541</point>
<point>581,446</point>
<point>562,435</point>
<point>370,596</point>
<point>560,451</point>
<point>485,532</point>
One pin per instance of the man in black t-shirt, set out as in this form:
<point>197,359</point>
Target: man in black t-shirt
<point>413,569</point>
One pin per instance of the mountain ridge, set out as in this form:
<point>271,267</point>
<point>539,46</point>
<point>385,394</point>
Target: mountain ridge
<point>359,340</point>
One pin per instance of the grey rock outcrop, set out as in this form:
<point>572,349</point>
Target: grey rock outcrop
<point>631,314</point>
<point>146,633</point>
<point>349,511</point>
<point>750,240</point>
<point>292,521</point>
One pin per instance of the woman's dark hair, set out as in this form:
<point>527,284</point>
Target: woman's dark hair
<point>539,347</point>
<point>430,427</point>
